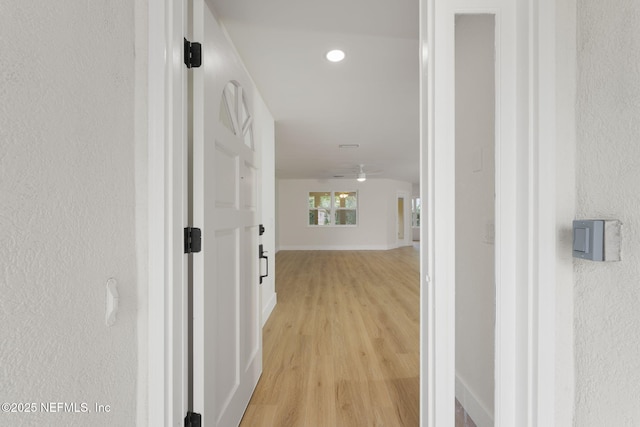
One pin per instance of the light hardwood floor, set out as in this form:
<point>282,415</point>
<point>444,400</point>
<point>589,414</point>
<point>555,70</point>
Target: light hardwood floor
<point>342,345</point>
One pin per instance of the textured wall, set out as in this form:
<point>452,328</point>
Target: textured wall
<point>607,295</point>
<point>67,210</point>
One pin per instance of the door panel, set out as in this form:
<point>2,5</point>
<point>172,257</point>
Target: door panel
<point>226,348</point>
<point>226,166</point>
<point>250,301</point>
<point>249,186</point>
<point>227,334</point>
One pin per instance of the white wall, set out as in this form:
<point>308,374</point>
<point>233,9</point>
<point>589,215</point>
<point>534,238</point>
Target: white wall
<point>475,189</point>
<point>277,214</point>
<point>607,318</point>
<point>377,211</point>
<point>70,135</point>
<point>265,136</point>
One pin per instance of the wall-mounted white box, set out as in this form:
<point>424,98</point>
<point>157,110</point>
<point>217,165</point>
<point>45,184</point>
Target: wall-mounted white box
<point>597,239</point>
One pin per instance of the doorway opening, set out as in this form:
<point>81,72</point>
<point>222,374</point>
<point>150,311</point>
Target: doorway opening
<point>475,300</point>
<point>400,221</point>
<point>519,33</point>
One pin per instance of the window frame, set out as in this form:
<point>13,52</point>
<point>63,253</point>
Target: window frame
<point>333,209</point>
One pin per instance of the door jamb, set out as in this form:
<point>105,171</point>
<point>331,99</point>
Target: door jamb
<point>166,215</point>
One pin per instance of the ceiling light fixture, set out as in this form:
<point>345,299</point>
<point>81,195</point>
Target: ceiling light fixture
<point>349,146</point>
<point>362,177</point>
<point>335,55</point>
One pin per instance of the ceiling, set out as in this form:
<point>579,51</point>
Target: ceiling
<point>370,99</point>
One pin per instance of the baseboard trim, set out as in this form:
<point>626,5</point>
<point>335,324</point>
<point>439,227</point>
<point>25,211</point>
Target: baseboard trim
<point>267,309</point>
<point>476,409</point>
<point>338,248</point>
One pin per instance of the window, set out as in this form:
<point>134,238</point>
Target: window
<point>345,204</point>
<point>415,212</point>
<point>319,208</point>
<point>339,208</point>
<point>234,113</point>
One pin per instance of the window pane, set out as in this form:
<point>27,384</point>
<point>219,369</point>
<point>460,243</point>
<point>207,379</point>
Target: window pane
<point>346,199</point>
<point>319,217</point>
<point>346,217</point>
<point>228,113</point>
<point>225,117</point>
<point>415,211</point>
<point>320,200</point>
<point>244,114</point>
<point>248,137</point>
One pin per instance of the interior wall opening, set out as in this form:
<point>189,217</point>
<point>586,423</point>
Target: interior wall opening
<point>475,219</point>
<point>342,345</point>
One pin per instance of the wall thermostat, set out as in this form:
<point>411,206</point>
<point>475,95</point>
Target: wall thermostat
<point>597,239</point>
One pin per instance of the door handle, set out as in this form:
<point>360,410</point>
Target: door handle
<point>261,255</point>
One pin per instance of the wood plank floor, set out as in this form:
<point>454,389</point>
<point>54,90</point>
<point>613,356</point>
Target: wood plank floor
<point>342,345</point>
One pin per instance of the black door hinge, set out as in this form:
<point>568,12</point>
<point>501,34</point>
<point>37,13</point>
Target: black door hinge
<point>193,420</point>
<point>192,54</point>
<point>192,240</point>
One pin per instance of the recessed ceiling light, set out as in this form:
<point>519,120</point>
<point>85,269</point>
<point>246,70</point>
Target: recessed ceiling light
<point>335,55</point>
<point>349,145</point>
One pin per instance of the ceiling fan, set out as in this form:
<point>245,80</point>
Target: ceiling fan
<point>358,172</point>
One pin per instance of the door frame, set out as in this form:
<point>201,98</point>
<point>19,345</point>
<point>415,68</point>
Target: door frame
<point>406,237</point>
<point>525,392</point>
<point>529,395</point>
<point>165,347</point>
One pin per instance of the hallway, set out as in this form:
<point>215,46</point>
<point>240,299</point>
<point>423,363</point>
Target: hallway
<point>342,346</point>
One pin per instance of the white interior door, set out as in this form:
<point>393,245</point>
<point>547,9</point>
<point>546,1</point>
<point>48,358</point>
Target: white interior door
<point>227,335</point>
